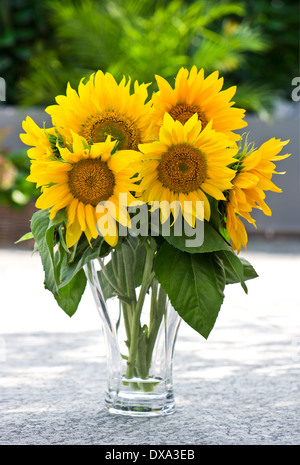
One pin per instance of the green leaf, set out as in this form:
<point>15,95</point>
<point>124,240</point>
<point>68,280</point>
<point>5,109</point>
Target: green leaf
<point>139,264</point>
<point>236,269</point>
<point>212,242</point>
<point>84,253</point>
<point>70,295</point>
<point>132,261</point>
<point>25,237</point>
<point>194,283</point>
<point>43,231</point>
<point>62,239</point>
<point>249,271</point>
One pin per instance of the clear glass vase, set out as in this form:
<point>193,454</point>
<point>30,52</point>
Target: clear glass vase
<point>140,328</point>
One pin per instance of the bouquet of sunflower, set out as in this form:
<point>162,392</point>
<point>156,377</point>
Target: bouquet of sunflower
<point>113,151</point>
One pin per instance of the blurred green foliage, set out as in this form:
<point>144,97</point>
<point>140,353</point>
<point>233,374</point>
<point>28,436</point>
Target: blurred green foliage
<point>253,44</point>
<point>15,190</point>
<point>23,29</point>
<point>278,21</point>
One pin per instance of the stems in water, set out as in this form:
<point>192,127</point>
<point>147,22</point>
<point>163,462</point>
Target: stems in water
<point>140,340</point>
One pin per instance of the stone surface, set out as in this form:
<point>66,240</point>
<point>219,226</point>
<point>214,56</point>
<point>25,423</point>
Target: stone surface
<point>240,387</point>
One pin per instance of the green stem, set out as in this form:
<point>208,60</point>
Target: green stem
<point>153,301</point>
<point>121,271</point>
<point>129,271</point>
<point>114,285</point>
<point>136,330</point>
<point>156,316</point>
<point>141,362</point>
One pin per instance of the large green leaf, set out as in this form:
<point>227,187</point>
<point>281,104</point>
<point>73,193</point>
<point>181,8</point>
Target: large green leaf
<point>194,283</point>
<point>64,275</point>
<point>70,265</point>
<point>43,231</point>
<point>70,295</point>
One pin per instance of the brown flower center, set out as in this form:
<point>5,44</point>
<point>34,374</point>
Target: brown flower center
<point>116,125</point>
<point>183,112</point>
<point>183,168</point>
<point>91,181</point>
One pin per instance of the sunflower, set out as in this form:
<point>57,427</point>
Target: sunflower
<point>254,174</point>
<point>184,165</point>
<point>39,139</point>
<point>192,94</point>
<point>86,182</point>
<point>101,108</point>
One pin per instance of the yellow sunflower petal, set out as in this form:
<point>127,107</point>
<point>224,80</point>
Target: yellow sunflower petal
<point>108,228</point>
<point>90,218</point>
<point>73,234</point>
<point>81,215</point>
<point>51,195</point>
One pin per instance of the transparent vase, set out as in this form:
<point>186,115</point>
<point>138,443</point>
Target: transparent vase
<point>140,328</point>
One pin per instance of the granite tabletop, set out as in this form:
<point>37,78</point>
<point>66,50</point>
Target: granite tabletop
<point>241,386</point>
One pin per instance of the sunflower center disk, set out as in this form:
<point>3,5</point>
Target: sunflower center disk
<point>182,169</point>
<point>112,124</point>
<point>91,181</point>
<point>183,112</point>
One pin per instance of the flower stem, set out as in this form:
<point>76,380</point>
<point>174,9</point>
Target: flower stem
<point>156,315</point>
<point>127,314</point>
<point>122,276</point>
<point>136,329</point>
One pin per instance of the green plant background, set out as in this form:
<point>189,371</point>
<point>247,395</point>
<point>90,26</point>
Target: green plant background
<point>254,44</point>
